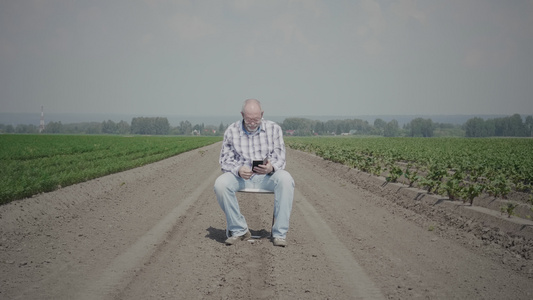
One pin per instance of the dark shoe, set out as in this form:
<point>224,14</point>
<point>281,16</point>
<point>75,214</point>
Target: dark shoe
<point>280,242</point>
<point>234,239</point>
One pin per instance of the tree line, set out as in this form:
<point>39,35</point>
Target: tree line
<point>139,125</point>
<point>418,127</point>
<point>305,127</point>
<point>507,126</point>
<point>512,126</point>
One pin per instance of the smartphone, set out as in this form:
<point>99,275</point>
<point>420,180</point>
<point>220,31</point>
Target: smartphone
<point>256,163</point>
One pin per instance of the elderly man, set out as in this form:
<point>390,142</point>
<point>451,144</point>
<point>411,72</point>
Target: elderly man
<point>246,140</point>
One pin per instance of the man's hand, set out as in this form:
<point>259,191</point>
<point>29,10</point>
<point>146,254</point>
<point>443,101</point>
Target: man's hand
<point>264,169</point>
<point>245,172</point>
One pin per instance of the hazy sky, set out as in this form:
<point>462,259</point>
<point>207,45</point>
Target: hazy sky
<point>300,57</point>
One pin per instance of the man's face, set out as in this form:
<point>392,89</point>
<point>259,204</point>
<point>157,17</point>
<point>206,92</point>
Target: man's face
<point>252,120</point>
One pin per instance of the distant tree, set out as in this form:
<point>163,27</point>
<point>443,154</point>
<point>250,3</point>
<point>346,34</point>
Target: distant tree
<point>339,129</point>
<point>420,127</point>
<point>140,125</point>
<point>475,127</point>
<point>84,127</point>
<point>301,126</point>
<point>517,126</point>
<point>123,127</point>
<point>94,128</point>
<point>53,127</point>
<point>506,126</point>
<point>510,126</point>
<point>344,126</point>
<point>379,126</point>
<point>185,127</point>
<point>319,128</point>
<point>357,125</point>
<point>9,129</point>
<point>109,127</point>
<point>221,129</point>
<point>529,126</point>
<point>162,126</point>
<point>490,128</point>
<point>391,129</point>
<point>23,128</point>
<point>330,126</point>
<point>500,127</point>
<point>145,125</point>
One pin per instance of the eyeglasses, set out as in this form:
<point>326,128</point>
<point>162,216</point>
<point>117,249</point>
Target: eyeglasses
<point>252,121</point>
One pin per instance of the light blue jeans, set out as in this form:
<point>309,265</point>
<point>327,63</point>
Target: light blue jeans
<point>280,182</point>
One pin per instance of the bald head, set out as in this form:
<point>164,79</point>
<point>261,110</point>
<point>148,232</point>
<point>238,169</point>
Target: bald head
<point>251,105</point>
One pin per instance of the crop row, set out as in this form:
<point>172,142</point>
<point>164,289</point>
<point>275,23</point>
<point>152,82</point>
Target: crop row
<point>459,168</point>
<point>40,163</point>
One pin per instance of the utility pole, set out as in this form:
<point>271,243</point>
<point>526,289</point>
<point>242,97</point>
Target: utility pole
<point>41,126</point>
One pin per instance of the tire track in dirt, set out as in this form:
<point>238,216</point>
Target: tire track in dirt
<point>121,267</point>
<point>358,284</point>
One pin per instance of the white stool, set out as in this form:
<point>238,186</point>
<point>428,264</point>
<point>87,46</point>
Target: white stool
<point>253,190</point>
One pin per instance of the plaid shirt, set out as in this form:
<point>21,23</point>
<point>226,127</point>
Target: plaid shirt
<point>240,148</point>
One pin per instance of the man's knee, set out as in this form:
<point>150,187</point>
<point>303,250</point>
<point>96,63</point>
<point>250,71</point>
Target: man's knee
<point>219,185</point>
<point>283,177</point>
<point>223,182</point>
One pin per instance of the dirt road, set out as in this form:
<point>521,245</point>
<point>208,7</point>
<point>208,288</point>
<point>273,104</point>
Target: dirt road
<point>156,232</point>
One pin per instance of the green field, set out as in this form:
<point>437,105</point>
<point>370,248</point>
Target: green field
<point>460,168</point>
<point>31,164</point>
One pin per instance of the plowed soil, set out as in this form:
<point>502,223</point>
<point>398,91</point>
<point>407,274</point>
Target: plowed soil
<point>157,232</point>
